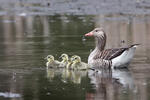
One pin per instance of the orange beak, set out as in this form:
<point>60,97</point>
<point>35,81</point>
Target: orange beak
<point>89,34</point>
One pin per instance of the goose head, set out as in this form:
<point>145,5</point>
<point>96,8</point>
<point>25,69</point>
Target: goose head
<point>100,37</point>
<point>97,32</point>
<point>64,57</point>
<point>50,58</point>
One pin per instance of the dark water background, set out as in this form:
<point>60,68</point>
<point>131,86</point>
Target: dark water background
<point>27,37</point>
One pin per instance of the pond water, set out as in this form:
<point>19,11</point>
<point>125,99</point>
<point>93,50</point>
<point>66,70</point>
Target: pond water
<point>26,40</point>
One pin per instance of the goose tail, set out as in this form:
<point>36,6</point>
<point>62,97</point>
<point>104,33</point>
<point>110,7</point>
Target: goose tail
<point>134,45</point>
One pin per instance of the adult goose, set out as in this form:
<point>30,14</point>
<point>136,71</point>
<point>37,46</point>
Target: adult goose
<point>107,58</point>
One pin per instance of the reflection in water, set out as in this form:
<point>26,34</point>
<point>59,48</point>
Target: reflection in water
<point>67,75</point>
<point>10,95</point>
<point>108,84</point>
<point>124,77</point>
<point>26,40</point>
<point>50,74</point>
<point>73,75</point>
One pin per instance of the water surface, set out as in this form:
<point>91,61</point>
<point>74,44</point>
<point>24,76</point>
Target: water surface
<point>26,40</point>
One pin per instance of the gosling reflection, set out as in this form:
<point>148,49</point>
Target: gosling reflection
<point>78,75</point>
<point>50,73</point>
<point>74,76</point>
<point>108,84</point>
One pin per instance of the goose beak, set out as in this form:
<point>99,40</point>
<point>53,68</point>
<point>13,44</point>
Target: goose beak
<point>89,34</point>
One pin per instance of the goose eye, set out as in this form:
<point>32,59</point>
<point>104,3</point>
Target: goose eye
<point>96,30</point>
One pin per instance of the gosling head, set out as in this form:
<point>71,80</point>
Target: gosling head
<point>64,57</point>
<point>76,59</point>
<point>97,32</point>
<point>50,58</point>
<point>72,58</point>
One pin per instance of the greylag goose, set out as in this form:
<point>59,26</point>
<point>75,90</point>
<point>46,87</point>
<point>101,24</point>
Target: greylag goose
<point>78,64</point>
<point>64,61</point>
<point>51,62</point>
<point>118,57</point>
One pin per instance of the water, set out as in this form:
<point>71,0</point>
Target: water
<point>26,39</point>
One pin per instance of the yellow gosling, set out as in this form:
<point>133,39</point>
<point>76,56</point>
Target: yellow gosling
<point>68,66</point>
<point>78,64</point>
<point>51,62</point>
<point>70,61</point>
<point>64,61</point>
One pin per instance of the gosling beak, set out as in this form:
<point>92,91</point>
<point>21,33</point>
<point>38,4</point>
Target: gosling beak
<point>73,59</point>
<point>60,57</point>
<point>89,34</point>
<point>45,58</point>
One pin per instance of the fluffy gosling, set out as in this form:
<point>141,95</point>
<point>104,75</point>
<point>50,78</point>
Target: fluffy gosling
<point>78,64</point>
<point>51,62</point>
<point>64,61</point>
<point>70,62</point>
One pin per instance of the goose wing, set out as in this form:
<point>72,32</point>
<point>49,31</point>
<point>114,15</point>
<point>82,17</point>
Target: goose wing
<point>109,54</point>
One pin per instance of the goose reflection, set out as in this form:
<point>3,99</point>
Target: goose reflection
<point>124,77</point>
<point>109,83</point>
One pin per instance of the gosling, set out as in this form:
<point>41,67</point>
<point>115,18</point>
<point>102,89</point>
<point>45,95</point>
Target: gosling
<point>65,60</point>
<point>78,64</point>
<point>70,62</point>
<point>51,62</point>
